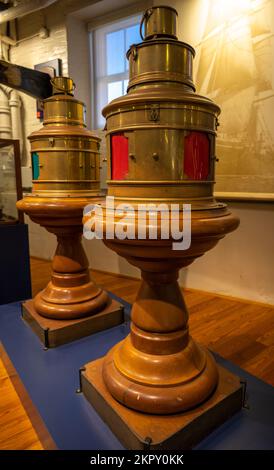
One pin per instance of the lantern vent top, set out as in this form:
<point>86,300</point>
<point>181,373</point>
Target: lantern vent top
<point>159,21</point>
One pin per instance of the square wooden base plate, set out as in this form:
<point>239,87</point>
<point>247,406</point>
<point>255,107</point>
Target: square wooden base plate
<point>141,431</point>
<point>53,333</point>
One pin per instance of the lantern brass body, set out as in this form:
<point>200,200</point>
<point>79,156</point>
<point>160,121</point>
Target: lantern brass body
<point>68,152</point>
<point>158,368</point>
<point>66,156</point>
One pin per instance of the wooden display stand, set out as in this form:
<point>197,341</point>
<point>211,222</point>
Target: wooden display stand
<point>71,306</point>
<point>140,431</point>
<point>54,333</point>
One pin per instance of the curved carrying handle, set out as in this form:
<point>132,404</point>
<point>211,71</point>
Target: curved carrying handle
<point>145,16</point>
<point>62,90</point>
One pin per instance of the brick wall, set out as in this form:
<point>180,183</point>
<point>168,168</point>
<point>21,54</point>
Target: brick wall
<point>34,50</point>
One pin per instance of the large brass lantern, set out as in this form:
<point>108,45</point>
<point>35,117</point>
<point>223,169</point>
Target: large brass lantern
<point>65,163</point>
<point>161,149</point>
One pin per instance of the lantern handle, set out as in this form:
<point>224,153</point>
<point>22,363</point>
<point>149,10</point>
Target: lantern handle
<point>63,90</point>
<point>145,16</point>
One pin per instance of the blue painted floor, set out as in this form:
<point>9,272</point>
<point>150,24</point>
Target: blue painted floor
<point>51,379</point>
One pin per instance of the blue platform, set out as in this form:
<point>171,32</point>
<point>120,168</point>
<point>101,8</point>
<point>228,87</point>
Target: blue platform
<point>51,379</point>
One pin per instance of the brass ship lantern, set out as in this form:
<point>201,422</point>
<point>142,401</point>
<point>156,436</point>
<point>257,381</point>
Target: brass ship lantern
<point>161,149</point>
<point>65,164</point>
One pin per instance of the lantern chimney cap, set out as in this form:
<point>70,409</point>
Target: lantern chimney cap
<point>159,21</point>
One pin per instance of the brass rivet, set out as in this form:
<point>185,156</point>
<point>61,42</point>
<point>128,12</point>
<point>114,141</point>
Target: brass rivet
<point>155,156</point>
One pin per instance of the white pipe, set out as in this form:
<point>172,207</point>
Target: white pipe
<point>5,117</point>
<point>24,8</point>
<point>43,33</point>
<point>15,105</point>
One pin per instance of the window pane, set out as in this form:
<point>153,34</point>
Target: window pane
<point>115,52</point>
<point>115,89</point>
<point>125,84</point>
<point>101,101</point>
<point>132,35</point>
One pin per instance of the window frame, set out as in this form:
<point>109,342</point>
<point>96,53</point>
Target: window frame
<point>99,76</point>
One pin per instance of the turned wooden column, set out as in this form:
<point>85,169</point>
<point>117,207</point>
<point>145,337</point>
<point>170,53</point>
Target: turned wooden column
<point>158,368</point>
<point>71,293</point>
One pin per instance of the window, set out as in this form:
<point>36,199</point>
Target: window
<point>110,44</point>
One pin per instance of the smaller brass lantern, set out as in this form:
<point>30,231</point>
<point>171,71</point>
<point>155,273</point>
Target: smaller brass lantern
<point>65,154</point>
<point>65,163</point>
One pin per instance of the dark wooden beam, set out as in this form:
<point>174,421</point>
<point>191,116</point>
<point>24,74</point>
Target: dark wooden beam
<point>34,83</point>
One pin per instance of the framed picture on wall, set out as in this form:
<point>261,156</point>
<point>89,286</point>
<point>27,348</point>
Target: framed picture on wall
<point>52,68</point>
<point>234,67</point>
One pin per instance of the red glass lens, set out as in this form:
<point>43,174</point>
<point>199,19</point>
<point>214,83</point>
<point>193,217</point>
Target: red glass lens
<point>119,157</point>
<point>196,156</point>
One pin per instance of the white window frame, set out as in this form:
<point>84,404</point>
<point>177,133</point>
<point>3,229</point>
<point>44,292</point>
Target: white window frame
<point>100,78</point>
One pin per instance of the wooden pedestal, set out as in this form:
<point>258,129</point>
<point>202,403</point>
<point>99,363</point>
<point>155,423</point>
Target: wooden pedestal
<point>53,333</point>
<point>141,431</point>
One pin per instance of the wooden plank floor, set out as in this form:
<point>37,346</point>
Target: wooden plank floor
<point>240,331</point>
<point>16,430</point>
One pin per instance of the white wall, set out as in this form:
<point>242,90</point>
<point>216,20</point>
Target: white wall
<point>242,265</point>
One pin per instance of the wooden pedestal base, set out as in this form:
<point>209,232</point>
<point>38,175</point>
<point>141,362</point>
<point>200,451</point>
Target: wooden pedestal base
<point>53,333</point>
<point>141,431</point>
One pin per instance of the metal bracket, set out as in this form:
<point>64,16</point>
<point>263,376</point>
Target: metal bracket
<point>244,400</point>
<point>79,389</point>
<point>147,443</point>
<point>46,339</point>
<point>154,113</point>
